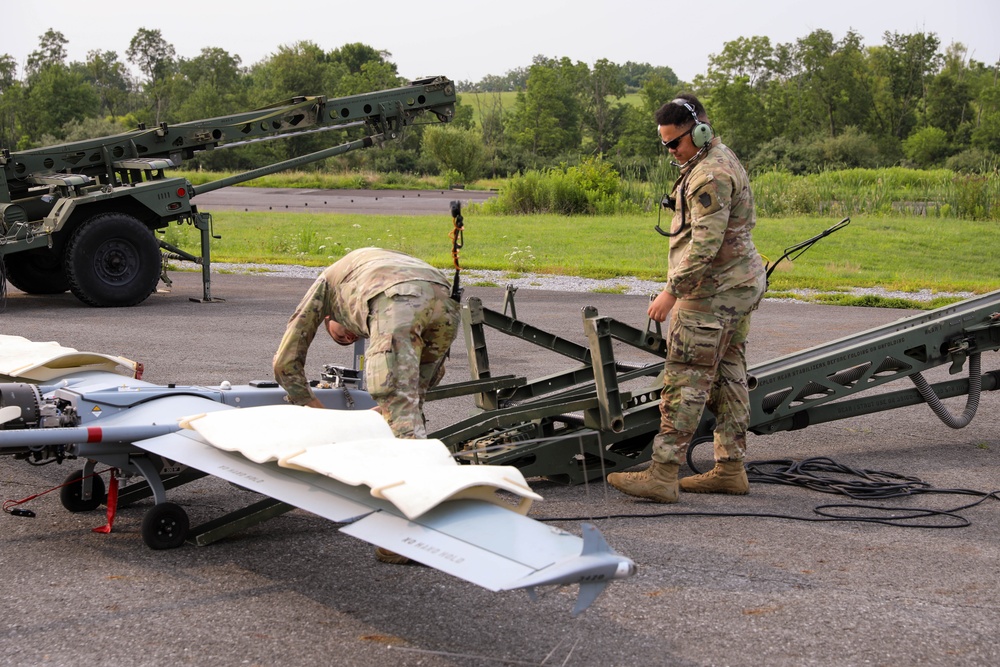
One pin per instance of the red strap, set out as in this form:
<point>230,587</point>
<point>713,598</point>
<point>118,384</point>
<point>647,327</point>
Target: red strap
<point>8,504</point>
<point>112,504</point>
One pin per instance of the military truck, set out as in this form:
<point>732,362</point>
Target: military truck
<point>81,216</point>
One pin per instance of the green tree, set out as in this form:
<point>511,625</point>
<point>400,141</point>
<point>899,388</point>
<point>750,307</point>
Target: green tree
<point>363,69</point>
<point>302,68</point>
<point>832,74</point>
<point>849,149</point>
<point>947,104</point>
<point>8,72</point>
<point>901,68</point>
<point>985,104</point>
<point>356,55</point>
<point>374,75</point>
<point>90,128</point>
<point>656,91</point>
<point>987,134</point>
<point>210,84</point>
<point>464,117</point>
<point>219,68</point>
<point>747,58</point>
<point>638,135</point>
<point>603,114</point>
<point>634,75</point>
<point>157,60</point>
<point>111,80</point>
<point>734,90</point>
<point>788,110</point>
<point>55,97</point>
<point>490,106</point>
<point>51,51</point>
<point>10,95</point>
<point>737,113</point>
<point>537,121</point>
<point>546,120</point>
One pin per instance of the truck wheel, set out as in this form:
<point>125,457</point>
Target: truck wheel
<point>38,271</point>
<point>112,260</point>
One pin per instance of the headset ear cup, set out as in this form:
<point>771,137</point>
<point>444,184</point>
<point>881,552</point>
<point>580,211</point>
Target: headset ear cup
<point>702,134</point>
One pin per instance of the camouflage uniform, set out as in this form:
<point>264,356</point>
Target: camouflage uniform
<point>718,278</point>
<point>403,305</point>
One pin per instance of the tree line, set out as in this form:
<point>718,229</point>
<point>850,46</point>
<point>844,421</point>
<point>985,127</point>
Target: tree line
<point>813,104</point>
<point>54,101</point>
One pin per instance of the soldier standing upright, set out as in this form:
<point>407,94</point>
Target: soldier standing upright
<point>402,305</point>
<point>715,279</point>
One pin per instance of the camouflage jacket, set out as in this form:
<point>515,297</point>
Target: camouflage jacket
<point>712,250</point>
<point>342,293</point>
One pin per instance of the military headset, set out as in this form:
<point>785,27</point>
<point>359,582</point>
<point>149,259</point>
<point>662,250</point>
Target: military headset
<point>701,133</point>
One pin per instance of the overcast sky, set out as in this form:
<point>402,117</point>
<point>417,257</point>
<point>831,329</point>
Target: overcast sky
<point>467,39</point>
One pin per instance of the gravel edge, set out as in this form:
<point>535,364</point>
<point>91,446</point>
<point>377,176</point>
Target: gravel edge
<point>621,285</point>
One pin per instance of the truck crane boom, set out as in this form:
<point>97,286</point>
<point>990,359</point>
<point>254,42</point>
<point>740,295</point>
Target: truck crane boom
<point>80,216</point>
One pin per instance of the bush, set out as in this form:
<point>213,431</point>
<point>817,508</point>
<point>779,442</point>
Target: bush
<point>391,158</point>
<point>973,161</point>
<point>768,192</point>
<point>927,147</point>
<point>456,150</point>
<point>784,155</point>
<point>975,196</point>
<point>850,148</point>
<point>592,187</point>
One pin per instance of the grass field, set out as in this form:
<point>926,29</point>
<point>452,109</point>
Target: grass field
<point>895,253</point>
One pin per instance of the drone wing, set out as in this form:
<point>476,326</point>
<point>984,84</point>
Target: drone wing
<point>407,496</point>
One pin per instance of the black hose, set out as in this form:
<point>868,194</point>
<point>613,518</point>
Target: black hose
<point>932,399</point>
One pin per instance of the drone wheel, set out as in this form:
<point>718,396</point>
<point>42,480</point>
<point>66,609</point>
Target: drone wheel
<point>71,493</point>
<point>165,526</point>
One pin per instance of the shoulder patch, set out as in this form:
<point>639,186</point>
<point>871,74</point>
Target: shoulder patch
<point>705,201</point>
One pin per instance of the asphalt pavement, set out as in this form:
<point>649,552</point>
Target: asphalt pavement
<point>724,588</point>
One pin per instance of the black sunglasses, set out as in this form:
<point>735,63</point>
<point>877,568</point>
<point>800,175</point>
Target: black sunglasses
<point>676,141</point>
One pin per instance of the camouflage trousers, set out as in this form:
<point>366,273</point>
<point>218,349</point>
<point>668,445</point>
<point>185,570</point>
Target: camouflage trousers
<point>706,366</point>
<point>411,326</point>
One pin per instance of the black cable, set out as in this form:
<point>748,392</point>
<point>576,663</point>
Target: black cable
<point>856,483</point>
<point>852,482</point>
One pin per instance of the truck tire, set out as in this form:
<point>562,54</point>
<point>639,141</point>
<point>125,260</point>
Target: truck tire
<point>38,271</point>
<point>112,260</point>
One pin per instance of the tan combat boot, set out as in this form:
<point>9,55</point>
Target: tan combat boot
<point>657,482</point>
<point>726,477</point>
